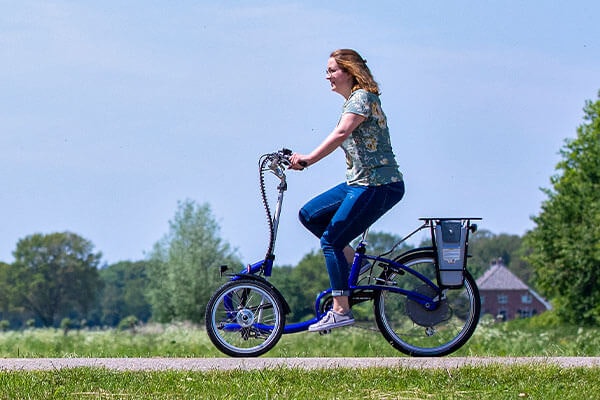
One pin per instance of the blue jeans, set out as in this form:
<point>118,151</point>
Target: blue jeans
<point>341,214</point>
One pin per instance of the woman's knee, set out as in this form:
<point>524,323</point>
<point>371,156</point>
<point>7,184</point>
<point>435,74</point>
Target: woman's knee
<point>304,217</point>
<point>310,223</point>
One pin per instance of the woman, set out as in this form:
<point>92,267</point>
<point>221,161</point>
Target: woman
<point>373,182</point>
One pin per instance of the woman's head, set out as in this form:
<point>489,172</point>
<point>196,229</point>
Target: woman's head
<point>352,63</point>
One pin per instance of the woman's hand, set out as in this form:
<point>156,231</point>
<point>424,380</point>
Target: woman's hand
<point>299,161</point>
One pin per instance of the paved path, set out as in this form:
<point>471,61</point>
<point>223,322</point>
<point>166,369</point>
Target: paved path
<point>215,364</point>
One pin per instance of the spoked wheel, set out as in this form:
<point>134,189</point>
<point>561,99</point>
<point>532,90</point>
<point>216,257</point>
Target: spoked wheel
<point>417,331</point>
<point>245,318</point>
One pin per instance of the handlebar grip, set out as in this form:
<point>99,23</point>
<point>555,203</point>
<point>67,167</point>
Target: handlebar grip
<point>287,153</point>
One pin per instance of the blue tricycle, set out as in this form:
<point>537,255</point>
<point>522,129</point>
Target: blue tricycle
<point>425,301</point>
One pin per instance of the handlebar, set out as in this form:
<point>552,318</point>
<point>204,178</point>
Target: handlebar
<point>281,160</point>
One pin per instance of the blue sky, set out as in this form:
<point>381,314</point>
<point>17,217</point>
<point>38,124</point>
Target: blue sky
<point>111,112</point>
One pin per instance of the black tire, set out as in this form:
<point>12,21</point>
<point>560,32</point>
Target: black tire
<point>245,318</point>
<point>416,331</point>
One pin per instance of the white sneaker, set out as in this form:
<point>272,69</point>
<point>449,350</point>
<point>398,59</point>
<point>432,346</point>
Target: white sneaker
<point>332,320</point>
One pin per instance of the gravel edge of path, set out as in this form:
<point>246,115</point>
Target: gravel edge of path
<point>227,364</point>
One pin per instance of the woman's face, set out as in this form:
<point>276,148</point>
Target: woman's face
<point>340,80</point>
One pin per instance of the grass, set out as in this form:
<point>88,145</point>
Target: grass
<point>492,382</point>
<point>534,337</point>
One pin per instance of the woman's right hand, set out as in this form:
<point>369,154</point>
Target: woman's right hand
<point>298,162</point>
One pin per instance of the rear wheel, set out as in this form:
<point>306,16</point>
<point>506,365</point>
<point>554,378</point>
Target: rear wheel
<point>414,330</point>
<point>245,318</point>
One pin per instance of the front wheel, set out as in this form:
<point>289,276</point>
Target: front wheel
<point>417,331</point>
<point>245,318</point>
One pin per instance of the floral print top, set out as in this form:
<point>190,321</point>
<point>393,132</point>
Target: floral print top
<point>369,156</point>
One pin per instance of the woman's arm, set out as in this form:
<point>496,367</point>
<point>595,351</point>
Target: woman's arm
<point>345,127</point>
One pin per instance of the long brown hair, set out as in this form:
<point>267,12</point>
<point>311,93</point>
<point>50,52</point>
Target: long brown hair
<point>350,61</point>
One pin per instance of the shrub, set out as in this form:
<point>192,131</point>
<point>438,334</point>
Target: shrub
<point>129,322</point>
<point>4,325</point>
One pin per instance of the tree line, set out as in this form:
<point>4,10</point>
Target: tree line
<point>57,277</point>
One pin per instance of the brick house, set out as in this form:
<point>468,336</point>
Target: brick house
<point>506,297</point>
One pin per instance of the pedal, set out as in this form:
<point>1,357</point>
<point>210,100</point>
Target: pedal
<point>325,332</point>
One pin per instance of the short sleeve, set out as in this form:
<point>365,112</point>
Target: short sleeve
<point>358,103</point>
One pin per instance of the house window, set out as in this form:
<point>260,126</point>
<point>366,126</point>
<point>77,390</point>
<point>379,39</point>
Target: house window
<point>526,299</point>
<point>502,299</point>
<point>526,313</point>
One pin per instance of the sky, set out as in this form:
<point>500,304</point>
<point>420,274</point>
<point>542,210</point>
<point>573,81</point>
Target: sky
<point>113,112</point>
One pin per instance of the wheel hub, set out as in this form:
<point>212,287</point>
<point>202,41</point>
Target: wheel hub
<point>430,316</point>
<point>245,318</point>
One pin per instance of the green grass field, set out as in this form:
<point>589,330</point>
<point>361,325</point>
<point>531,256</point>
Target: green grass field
<point>533,337</point>
<point>493,382</point>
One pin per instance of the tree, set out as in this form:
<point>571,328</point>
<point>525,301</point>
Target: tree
<point>485,247</point>
<point>565,242</point>
<point>4,291</point>
<point>124,292</point>
<point>55,275</point>
<point>183,265</point>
